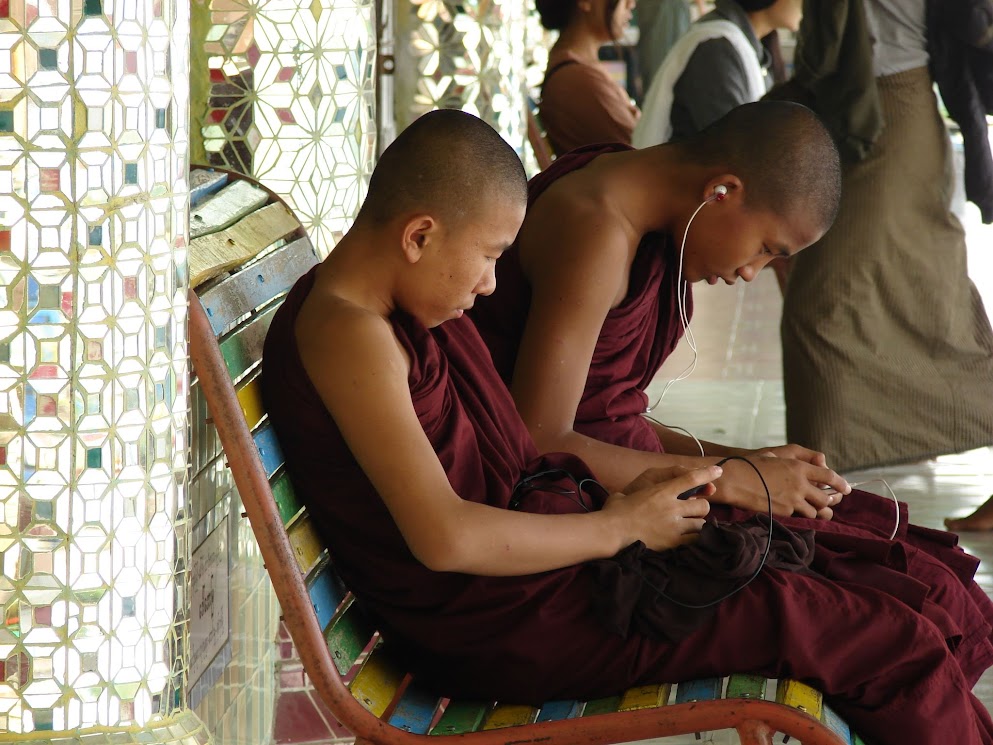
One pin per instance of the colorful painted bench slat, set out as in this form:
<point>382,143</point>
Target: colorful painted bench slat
<point>645,697</point>
<point>705,689</point>
<point>415,709</point>
<point>229,317</point>
<point>461,717</point>
<point>510,715</point>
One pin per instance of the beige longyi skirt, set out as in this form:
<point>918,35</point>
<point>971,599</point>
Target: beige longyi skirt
<point>887,349</point>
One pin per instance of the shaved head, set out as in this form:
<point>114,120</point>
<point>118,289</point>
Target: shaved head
<point>783,154</point>
<point>447,163</point>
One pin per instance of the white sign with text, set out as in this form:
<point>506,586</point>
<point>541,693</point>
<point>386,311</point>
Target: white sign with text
<point>209,627</point>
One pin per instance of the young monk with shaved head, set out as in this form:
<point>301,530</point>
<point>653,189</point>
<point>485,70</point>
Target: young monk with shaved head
<point>475,553</point>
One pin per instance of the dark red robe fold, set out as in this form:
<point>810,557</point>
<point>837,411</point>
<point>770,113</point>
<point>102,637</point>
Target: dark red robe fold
<point>886,667</point>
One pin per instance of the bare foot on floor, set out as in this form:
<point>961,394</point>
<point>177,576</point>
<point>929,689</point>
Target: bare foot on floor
<point>981,519</point>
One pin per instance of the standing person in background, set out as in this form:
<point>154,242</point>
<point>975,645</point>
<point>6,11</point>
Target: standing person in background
<point>719,63</point>
<point>887,349</point>
<point>660,24</point>
<point>580,103</point>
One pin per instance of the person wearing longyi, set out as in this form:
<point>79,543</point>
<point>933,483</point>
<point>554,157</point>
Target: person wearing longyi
<point>470,549</point>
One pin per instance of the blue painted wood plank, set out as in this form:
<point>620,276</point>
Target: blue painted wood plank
<point>326,593</point>
<point>415,710</point>
<point>269,450</point>
<point>258,284</point>
<point>836,724</point>
<point>705,689</point>
<point>553,711</point>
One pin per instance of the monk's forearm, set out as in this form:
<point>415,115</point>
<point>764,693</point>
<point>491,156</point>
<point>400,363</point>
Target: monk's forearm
<point>615,467</point>
<point>487,541</point>
<point>677,443</point>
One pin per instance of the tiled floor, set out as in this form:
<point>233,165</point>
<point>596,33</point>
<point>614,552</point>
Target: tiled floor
<point>735,396</point>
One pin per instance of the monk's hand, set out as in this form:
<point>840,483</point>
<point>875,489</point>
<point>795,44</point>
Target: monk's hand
<point>797,487</point>
<point>796,452</point>
<point>649,508</point>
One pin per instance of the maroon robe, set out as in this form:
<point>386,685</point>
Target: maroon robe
<point>534,638</point>
<point>635,340</point>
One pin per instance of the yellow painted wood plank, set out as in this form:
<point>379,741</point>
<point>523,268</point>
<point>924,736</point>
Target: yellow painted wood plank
<point>307,545</point>
<point>800,696</point>
<point>645,697</point>
<point>377,682</point>
<point>510,715</point>
<point>211,255</point>
<point>250,398</point>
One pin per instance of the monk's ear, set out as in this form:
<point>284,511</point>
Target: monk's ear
<point>725,187</point>
<point>418,232</point>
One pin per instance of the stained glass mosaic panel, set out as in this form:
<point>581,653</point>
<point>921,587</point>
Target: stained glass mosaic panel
<point>283,91</point>
<point>93,374</point>
<point>468,56</point>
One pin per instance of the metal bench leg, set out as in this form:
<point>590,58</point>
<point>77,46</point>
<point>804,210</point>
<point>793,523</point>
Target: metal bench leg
<point>754,732</point>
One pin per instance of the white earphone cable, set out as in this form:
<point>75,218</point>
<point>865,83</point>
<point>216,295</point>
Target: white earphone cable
<point>683,318</point>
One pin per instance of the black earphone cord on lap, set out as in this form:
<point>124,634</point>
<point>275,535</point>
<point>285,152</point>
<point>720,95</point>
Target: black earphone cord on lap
<point>527,484</point>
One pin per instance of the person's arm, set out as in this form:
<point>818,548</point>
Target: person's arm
<point>577,266</point>
<point>362,379</point>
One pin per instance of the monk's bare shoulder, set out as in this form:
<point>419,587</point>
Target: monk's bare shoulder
<point>341,342</point>
<point>577,214</point>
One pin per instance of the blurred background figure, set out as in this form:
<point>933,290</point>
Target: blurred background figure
<point>581,103</point>
<point>660,24</point>
<point>719,63</point>
<point>887,348</point>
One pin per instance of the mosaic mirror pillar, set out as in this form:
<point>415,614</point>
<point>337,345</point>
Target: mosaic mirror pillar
<point>468,56</point>
<point>93,374</point>
<point>283,91</point>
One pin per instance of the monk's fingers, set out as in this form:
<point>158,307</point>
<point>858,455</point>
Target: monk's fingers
<point>825,514</point>
<point>805,509</point>
<point>828,478</point>
<point>654,476</point>
<point>690,482</point>
<point>691,526</point>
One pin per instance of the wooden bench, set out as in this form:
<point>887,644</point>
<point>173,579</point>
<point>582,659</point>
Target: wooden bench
<point>245,255</point>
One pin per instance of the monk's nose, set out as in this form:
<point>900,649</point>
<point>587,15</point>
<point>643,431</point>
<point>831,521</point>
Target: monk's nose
<point>487,284</point>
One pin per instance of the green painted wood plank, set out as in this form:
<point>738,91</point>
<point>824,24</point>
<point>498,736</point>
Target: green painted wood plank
<point>461,717</point>
<point>242,349</point>
<point>349,633</point>
<point>286,499</point>
<point>606,705</point>
<point>741,685</point>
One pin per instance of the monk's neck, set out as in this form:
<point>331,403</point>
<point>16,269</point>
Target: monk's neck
<point>357,271</point>
<point>657,188</point>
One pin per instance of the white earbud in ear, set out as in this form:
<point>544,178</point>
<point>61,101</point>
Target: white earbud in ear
<point>720,191</point>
